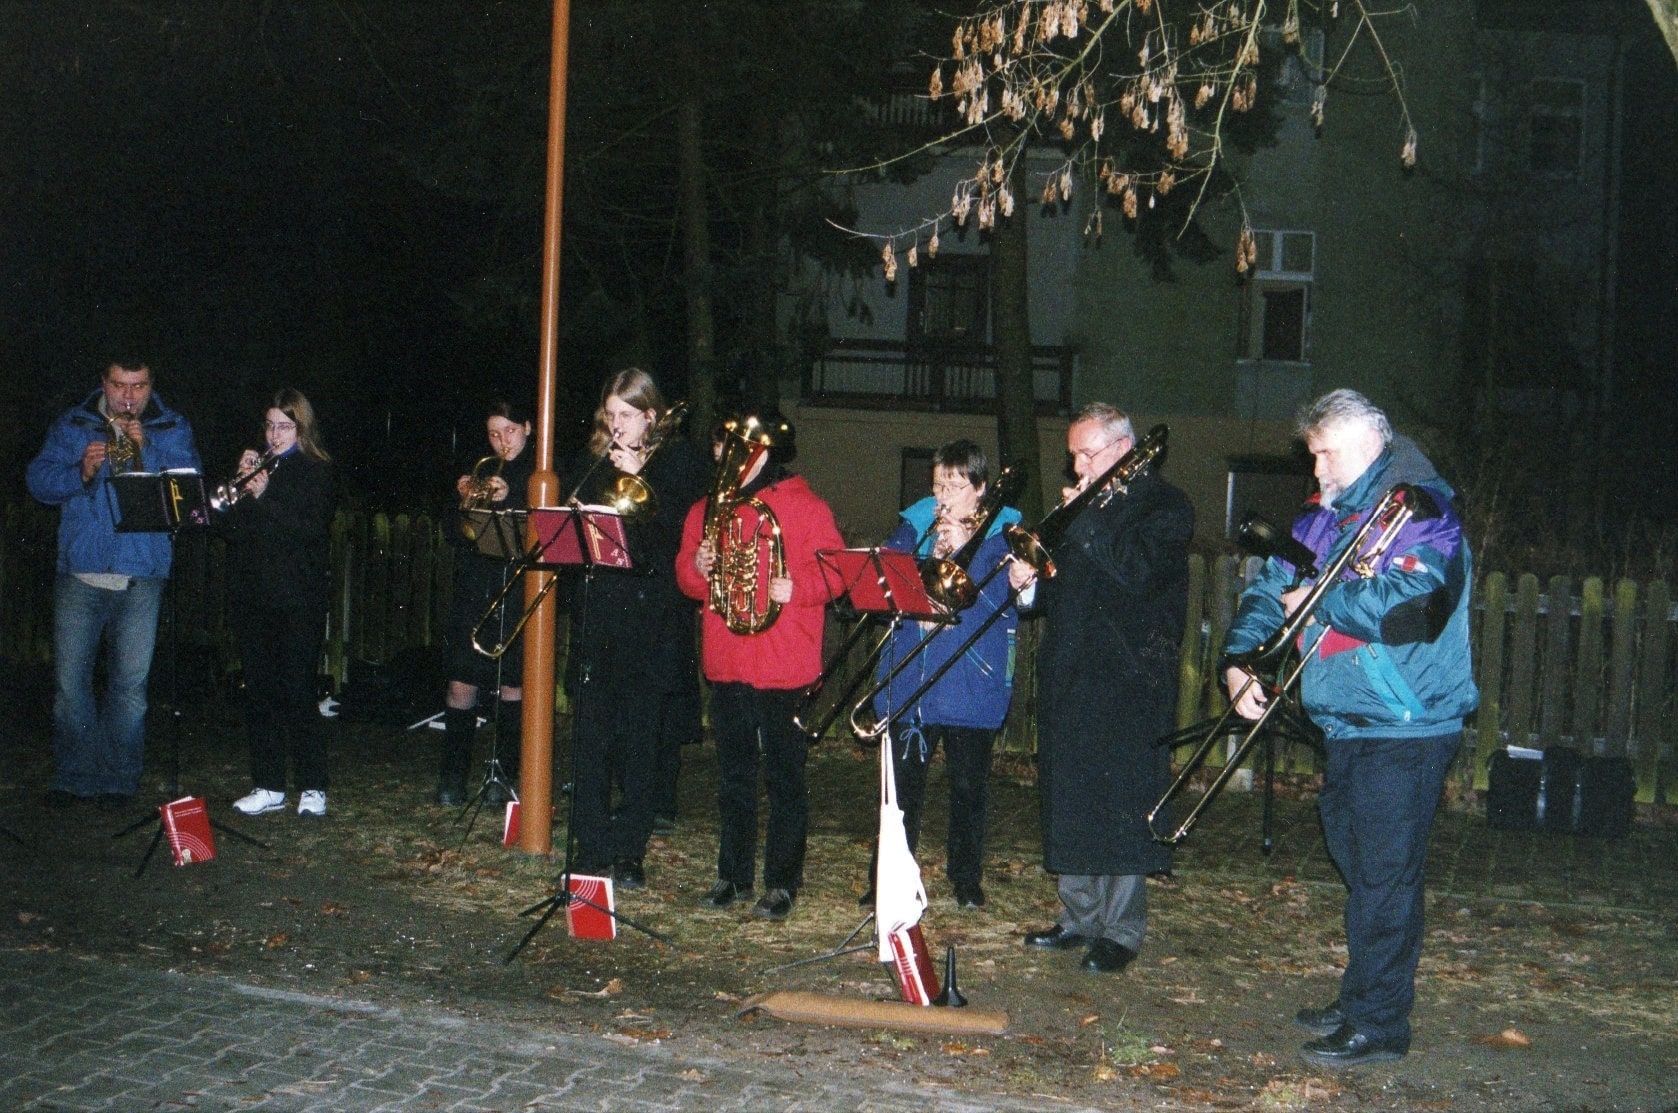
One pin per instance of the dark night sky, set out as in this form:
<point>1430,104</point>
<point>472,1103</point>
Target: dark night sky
<point>345,197</point>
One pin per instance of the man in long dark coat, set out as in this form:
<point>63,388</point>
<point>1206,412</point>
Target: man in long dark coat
<point>1107,688</point>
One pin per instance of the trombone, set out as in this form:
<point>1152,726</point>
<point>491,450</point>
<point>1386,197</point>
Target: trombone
<point>628,495</point>
<point>1392,513</point>
<point>1031,546</point>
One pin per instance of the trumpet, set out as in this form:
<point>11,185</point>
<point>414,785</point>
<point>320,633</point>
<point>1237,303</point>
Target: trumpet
<point>236,488</point>
<point>480,493</point>
<point>1392,513</point>
<point>121,453</point>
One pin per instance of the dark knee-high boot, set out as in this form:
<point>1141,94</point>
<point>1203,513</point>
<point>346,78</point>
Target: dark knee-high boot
<point>459,727</point>
<point>509,740</point>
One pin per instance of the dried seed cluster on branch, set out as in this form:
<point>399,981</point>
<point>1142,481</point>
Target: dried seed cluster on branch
<point>1053,74</point>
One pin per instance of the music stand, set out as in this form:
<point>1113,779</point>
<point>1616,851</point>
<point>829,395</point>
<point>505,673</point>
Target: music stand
<point>875,581</point>
<point>165,502</point>
<point>500,536</point>
<point>589,538</point>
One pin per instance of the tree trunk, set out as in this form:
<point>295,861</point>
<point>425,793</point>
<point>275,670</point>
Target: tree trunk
<point>696,268</point>
<point>1016,406</point>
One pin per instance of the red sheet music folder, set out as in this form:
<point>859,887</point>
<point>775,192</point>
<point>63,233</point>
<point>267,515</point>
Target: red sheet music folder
<point>881,581</point>
<point>585,920</point>
<point>187,826</point>
<point>602,527</point>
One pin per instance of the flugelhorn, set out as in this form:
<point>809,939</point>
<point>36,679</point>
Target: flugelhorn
<point>121,453</point>
<point>945,577</point>
<point>479,494</point>
<point>738,529</point>
<point>236,488</point>
<point>1392,513</point>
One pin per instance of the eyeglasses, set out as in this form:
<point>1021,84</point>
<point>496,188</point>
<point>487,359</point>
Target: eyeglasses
<point>1092,453</point>
<point>951,488</point>
<point>279,426</point>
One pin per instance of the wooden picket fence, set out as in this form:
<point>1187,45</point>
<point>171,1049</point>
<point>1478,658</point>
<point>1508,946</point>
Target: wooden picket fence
<point>1572,665</point>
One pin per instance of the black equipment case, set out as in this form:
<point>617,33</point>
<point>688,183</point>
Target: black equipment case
<point>1561,790</point>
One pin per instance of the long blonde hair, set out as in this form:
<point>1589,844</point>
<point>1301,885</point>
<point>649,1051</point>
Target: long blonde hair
<point>635,387</point>
<point>294,405</point>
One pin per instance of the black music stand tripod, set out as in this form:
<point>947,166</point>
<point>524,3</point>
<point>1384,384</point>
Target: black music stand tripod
<point>894,589</point>
<point>184,505</point>
<point>499,538</point>
<point>588,538</point>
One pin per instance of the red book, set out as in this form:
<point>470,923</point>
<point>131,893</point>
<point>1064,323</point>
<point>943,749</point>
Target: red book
<point>187,825</point>
<point>593,920</point>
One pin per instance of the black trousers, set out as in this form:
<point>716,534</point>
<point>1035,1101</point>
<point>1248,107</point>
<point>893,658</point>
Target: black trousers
<point>754,730</point>
<point>279,647</point>
<point>1377,804</point>
<point>967,754</point>
<point>615,741</point>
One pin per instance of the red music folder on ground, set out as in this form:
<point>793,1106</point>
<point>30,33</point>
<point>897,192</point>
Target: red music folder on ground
<point>187,825</point>
<point>587,921</point>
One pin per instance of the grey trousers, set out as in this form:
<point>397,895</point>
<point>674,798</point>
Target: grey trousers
<point>1105,906</point>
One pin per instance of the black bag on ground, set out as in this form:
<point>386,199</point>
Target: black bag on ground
<point>1561,790</point>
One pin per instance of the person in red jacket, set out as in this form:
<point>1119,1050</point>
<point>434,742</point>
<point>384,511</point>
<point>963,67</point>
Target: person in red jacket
<point>756,677</point>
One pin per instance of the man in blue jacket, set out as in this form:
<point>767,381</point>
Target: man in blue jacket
<point>110,583</point>
<point>1388,682</point>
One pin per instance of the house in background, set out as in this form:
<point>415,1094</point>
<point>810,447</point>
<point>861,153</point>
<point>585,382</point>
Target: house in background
<point>1450,294</point>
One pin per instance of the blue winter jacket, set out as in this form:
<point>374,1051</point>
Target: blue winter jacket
<point>976,690</point>
<point>1395,661</point>
<point>88,540</point>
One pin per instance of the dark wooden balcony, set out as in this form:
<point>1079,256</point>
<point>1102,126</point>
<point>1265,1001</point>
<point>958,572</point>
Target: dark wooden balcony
<point>950,378</point>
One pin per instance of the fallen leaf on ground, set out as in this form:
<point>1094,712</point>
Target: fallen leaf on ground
<point>1506,1039</point>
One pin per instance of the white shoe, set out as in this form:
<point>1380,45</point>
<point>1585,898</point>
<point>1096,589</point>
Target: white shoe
<point>261,801</point>
<point>312,802</point>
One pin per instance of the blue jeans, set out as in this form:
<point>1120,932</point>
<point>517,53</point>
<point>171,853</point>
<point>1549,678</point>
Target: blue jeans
<point>1377,804</point>
<point>102,750</point>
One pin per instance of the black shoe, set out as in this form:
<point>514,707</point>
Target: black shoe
<point>664,825</point>
<point>1348,1047</point>
<point>450,795</point>
<point>724,893</point>
<point>496,794</point>
<point>775,905</point>
<point>628,873</point>
<point>1055,938</point>
<point>114,801</point>
<point>1320,1022</point>
<point>866,900</point>
<point>1106,957</point>
<point>969,896</point>
<point>59,798</point>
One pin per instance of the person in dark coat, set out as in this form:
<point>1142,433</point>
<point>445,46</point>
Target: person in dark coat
<point>1107,688</point>
<point>627,629</point>
<point>279,545</point>
<point>478,581</point>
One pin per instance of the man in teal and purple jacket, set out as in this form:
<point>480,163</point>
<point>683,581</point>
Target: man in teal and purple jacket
<point>1388,682</point>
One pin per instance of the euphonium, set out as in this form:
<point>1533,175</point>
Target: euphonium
<point>121,453</point>
<point>237,487</point>
<point>737,591</point>
<point>479,493</point>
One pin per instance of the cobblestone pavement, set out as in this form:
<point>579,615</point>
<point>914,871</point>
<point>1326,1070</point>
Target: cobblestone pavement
<point>88,1035</point>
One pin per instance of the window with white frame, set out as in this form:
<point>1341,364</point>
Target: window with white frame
<point>1276,298</point>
